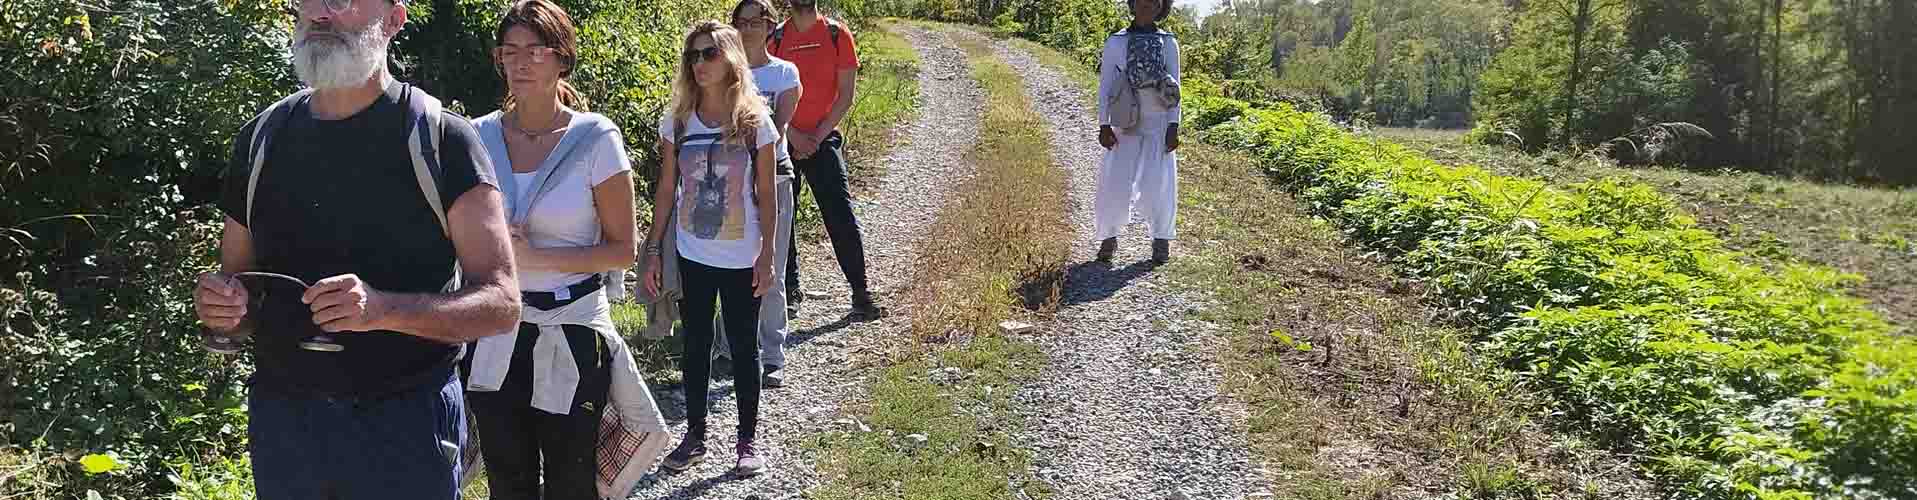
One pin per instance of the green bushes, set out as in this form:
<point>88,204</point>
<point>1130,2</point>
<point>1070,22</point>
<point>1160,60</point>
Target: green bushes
<point>121,111</point>
<point>1737,381</point>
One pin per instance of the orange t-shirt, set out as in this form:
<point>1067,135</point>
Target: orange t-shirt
<point>819,63</point>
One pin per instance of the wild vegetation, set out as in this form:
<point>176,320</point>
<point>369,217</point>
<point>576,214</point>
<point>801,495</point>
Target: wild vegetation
<point>114,132</point>
<point>1732,379</point>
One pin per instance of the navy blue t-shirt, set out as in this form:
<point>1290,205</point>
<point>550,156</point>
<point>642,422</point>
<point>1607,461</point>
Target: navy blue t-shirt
<point>340,197</point>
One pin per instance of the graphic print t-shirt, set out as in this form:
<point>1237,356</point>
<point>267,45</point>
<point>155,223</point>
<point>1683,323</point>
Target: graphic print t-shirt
<point>774,78</point>
<point>717,223</point>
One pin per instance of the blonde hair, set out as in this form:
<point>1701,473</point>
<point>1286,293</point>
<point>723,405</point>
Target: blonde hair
<point>748,109</point>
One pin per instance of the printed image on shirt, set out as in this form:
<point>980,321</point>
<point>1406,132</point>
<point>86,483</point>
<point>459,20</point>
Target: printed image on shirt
<point>713,180</point>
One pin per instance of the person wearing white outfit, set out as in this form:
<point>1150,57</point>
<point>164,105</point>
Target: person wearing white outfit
<point>547,393</point>
<point>778,82</point>
<point>1138,112</point>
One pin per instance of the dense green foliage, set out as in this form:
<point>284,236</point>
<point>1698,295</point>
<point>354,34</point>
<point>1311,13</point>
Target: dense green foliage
<point>116,118</point>
<point>1822,88</point>
<point>1736,381</point>
<point>1814,88</point>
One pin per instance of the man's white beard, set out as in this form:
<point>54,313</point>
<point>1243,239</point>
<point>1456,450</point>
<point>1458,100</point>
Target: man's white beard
<point>326,63</point>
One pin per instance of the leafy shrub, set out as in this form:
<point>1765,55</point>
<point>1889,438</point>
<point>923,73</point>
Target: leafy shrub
<point>1738,381</point>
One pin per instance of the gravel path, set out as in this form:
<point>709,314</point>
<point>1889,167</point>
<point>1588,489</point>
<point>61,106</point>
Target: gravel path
<point>821,373</point>
<point>1130,406</point>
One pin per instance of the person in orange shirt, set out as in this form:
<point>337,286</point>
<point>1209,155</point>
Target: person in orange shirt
<point>828,69</point>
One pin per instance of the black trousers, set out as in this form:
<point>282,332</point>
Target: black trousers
<point>825,172</point>
<point>513,435</point>
<point>733,287</point>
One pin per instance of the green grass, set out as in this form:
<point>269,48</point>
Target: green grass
<point>1356,389</point>
<point>968,454</point>
<point>1775,220</point>
<point>1003,232</point>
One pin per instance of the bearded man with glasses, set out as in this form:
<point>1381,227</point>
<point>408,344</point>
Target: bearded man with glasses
<point>389,207</point>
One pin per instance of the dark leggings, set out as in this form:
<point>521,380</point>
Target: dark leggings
<point>732,287</point>
<point>514,435</point>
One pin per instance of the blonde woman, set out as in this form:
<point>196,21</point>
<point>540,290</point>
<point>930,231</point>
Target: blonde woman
<point>715,190</point>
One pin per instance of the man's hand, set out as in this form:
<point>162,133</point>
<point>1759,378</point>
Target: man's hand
<point>1171,138</point>
<point>220,301</point>
<point>804,145</point>
<point>345,304</point>
<point>1106,137</point>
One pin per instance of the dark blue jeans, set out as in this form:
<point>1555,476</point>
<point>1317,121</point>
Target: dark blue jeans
<point>400,445</point>
<point>825,172</point>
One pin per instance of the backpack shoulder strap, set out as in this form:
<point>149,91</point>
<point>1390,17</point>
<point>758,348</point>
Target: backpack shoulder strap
<point>778,35</point>
<point>832,30</point>
<point>426,128</point>
<point>268,122</point>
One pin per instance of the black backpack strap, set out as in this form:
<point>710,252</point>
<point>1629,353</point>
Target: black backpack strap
<point>832,29</point>
<point>778,35</point>
<point>425,127</point>
<point>264,126</point>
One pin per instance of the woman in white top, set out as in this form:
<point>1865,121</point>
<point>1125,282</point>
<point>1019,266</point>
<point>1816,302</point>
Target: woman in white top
<point>1138,116</point>
<point>778,82</point>
<point>540,391</point>
<point>715,191</point>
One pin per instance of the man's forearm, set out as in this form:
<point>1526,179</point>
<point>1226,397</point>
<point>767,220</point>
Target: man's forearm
<point>472,312</point>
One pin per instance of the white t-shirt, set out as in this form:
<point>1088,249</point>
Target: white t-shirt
<point>566,216</point>
<point>774,78</point>
<point>717,223</point>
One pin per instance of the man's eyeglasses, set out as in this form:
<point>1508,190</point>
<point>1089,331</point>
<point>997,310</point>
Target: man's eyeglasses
<point>536,55</point>
<point>334,7</point>
<point>705,54</point>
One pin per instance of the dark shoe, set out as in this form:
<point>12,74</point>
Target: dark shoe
<point>721,368</point>
<point>864,309</point>
<point>1106,249</point>
<point>688,454</point>
<point>750,463</point>
<point>1161,251</point>
<point>773,380</point>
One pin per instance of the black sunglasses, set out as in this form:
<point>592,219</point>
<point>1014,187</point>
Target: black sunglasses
<point>705,54</point>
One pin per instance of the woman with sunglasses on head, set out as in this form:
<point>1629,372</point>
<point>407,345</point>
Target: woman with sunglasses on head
<point>539,392</point>
<point>778,82</point>
<point>715,190</point>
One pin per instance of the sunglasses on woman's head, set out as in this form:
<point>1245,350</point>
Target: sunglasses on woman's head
<point>754,22</point>
<point>705,54</point>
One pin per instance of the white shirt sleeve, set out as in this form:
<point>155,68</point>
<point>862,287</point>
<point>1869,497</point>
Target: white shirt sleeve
<point>1109,64</point>
<point>608,158</point>
<point>665,126</point>
<point>1171,66</point>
